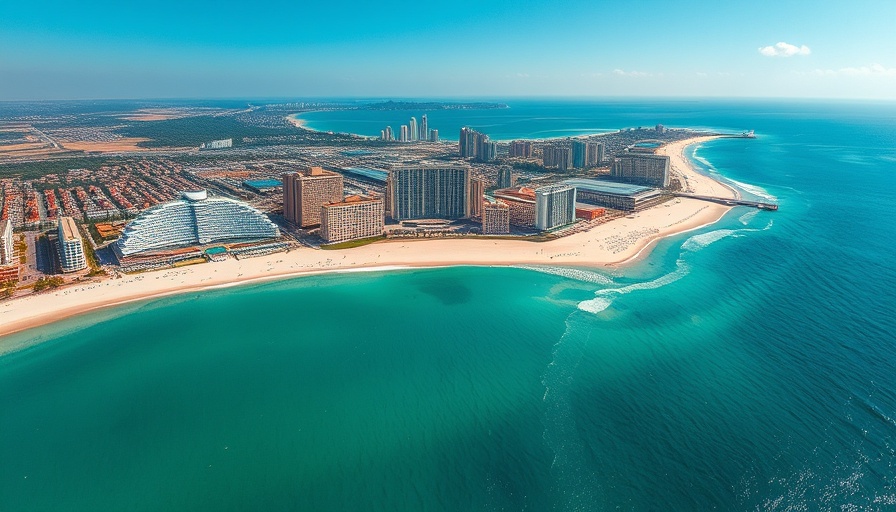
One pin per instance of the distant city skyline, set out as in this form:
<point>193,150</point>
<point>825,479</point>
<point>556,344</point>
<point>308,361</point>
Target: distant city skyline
<point>197,49</point>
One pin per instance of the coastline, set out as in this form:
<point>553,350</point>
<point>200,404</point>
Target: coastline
<point>302,124</point>
<point>616,243</point>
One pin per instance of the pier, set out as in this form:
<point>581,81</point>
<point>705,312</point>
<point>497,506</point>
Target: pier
<point>729,201</point>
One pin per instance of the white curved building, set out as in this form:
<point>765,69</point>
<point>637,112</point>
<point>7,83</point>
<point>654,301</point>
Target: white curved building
<point>196,219</point>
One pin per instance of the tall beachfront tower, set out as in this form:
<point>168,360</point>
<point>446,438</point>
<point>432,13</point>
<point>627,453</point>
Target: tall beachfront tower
<point>424,129</point>
<point>412,128</point>
<point>71,249</point>
<point>429,192</point>
<point>642,169</point>
<point>6,246</point>
<point>555,206</point>
<point>306,191</point>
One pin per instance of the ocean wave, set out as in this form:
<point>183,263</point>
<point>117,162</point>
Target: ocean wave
<point>754,189</point>
<point>587,276</point>
<point>604,298</point>
<point>747,217</point>
<point>697,242</point>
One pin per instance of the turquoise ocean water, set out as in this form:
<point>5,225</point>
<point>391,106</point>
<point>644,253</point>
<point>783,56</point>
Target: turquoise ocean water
<point>750,365</point>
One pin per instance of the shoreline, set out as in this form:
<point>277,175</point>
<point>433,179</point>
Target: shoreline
<point>302,124</point>
<point>620,242</point>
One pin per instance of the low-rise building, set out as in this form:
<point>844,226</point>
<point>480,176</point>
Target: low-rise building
<point>619,196</point>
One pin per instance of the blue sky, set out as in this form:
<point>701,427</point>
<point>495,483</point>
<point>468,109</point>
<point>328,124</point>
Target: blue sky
<point>198,49</point>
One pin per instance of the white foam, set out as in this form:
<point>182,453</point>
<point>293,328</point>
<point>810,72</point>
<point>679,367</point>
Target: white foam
<point>697,242</point>
<point>747,217</point>
<point>595,305</point>
<point>754,189</point>
<point>587,276</point>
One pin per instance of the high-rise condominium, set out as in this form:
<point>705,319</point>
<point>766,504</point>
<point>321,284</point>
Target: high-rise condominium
<point>412,128</point>
<point>555,206</point>
<point>429,192</point>
<point>71,248</point>
<point>6,245</point>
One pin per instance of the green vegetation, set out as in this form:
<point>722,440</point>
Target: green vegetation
<point>44,283</point>
<point>352,243</point>
<point>7,289</point>
<point>193,131</point>
<point>34,170</point>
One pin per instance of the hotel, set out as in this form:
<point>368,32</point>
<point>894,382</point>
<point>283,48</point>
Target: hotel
<point>195,219</point>
<point>71,249</point>
<point>521,205</point>
<point>555,206</point>
<point>642,169</point>
<point>353,218</point>
<point>495,218</point>
<point>305,192</point>
<point>430,192</point>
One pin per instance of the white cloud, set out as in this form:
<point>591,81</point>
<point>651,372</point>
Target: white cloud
<point>872,70</point>
<point>783,49</point>
<point>619,72</point>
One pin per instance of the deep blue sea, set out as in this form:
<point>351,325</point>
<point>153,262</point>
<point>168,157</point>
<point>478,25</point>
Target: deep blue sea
<point>750,365</point>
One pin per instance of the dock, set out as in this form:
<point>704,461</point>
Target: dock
<point>727,201</point>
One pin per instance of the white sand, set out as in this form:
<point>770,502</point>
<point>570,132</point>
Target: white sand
<point>614,243</point>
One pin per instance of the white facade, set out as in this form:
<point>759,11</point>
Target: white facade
<point>555,206</point>
<point>194,220</point>
<point>71,250</point>
<point>412,128</point>
<point>6,247</point>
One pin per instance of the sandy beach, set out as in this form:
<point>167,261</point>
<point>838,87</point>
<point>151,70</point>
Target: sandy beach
<point>611,244</point>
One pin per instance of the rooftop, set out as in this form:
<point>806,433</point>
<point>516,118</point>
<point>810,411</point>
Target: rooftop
<point>354,199</point>
<point>374,174</point>
<point>265,183</point>
<point>607,187</point>
<point>69,228</point>
<point>195,195</point>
